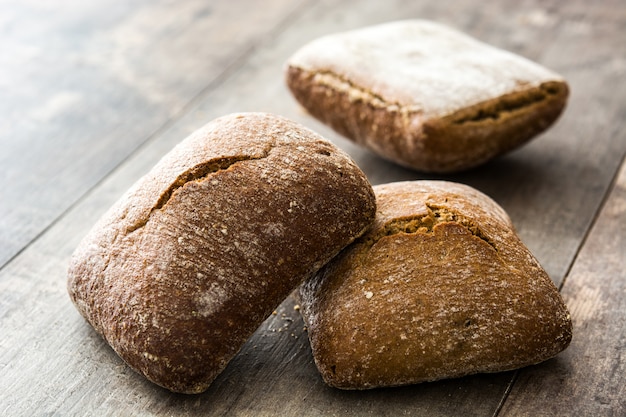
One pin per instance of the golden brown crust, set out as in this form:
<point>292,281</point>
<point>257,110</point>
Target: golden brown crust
<point>439,287</point>
<point>438,124</point>
<point>187,264</point>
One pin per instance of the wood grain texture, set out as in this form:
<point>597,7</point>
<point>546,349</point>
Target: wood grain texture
<point>52,363</point>
<point>589,378</point>
<point>84,84</point>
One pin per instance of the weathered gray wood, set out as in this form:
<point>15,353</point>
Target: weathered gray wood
<point>83,84</point>
<point>589,378</point>
<point>52,363</point>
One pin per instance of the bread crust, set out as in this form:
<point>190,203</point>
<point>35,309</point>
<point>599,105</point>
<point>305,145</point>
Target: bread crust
<point>188,263</point>
<point>439,287</point>
<point>433,99</point>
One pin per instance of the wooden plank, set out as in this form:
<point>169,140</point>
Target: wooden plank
<point>46,344</point>
<point>589,378</point>
<point>83,84</point>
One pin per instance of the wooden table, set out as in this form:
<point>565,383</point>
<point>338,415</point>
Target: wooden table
<point>93,93</point>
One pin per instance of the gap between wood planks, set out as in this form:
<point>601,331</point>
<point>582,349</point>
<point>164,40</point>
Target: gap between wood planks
<point>193,102</point>
<point>583,241</point>
<point>506,393</point>
<point>594,220</point>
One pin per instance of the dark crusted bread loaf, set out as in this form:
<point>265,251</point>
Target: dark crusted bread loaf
<point>187,264</point>
<point>423,95</point>
<point>439,287</point>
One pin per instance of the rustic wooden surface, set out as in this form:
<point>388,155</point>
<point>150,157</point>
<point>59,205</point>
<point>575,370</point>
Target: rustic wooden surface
<point>92,94</point>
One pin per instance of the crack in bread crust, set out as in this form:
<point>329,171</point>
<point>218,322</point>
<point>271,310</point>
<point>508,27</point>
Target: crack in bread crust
<point>506,105</point>
<point>426,224</point>
<point>197,173</point>
<point>357,92</point>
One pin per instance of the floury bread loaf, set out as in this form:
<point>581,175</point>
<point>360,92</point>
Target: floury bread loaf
<point>423,95</point>
<point>439,287</point>
<point>187,264</point>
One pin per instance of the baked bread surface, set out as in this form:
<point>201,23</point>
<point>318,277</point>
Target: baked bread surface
<point>188,263</point>
<point>439,287</point>
<point>423,95</point>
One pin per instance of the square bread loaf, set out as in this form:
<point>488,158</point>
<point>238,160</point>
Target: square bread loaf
<point>439,287</point>
<point>423,95</point>
<point>180,272</point>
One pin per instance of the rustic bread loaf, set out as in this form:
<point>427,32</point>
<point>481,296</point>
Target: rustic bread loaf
<point>423,95</point>
<point>439,287</point>
<point>189,262</point>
